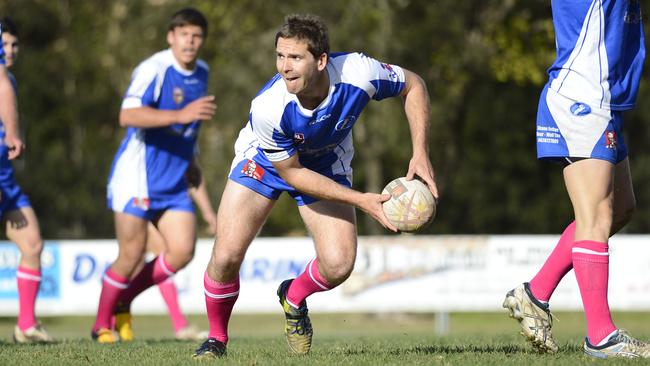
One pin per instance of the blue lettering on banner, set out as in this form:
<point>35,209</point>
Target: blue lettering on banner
<point>87,267</point>
<point>50,287</point>
<point>266,270</point>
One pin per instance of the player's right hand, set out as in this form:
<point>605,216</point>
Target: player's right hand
<point>372,204</point>
<point>201,109</point>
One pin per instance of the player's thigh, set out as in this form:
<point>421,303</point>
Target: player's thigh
<point>240,216</point>
<point>23,229</point>
<point>178,230</point>
<point>589,183</point>
<point>333,228</point>
<point>131,233</point>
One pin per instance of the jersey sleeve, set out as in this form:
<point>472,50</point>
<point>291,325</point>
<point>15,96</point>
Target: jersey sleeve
<point>275,141</point>
<point>142,91</point>
<point>381,80</point>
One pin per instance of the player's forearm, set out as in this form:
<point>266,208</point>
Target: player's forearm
<point>147,117</point>
<point>418,109</point>
<point>313,184</point>
<point>8,104</point>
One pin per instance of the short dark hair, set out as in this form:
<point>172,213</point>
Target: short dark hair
<point>8,26</point>
<point>188,16</point>
<point>307,27</point>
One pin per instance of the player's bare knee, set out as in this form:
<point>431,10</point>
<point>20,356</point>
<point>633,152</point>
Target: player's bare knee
<point>337,272</point>
<point>32,251</point>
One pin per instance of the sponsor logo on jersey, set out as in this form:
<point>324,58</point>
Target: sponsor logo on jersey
<point>580,109</point>
<point>178,95</point>
<point>610,139</point>
<point>391,72</point>
<point>320,119</point>
<point>345,123</point>
<point>252,170</point>
<point>141,203</point>
<point>299,138</point>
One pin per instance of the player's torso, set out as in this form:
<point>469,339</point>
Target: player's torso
<point>600,51</point>
<point>6,168</point>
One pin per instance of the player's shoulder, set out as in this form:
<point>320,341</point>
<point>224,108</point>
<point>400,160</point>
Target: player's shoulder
<point>354,67</point>
<point>155,64</point>
<point>202,65</point>
<point>271,100</point>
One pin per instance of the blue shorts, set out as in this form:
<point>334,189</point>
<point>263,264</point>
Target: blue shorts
<point>571,129</point>
<point>151,208</point>
<point>12,198</point>
<point>269,184</point>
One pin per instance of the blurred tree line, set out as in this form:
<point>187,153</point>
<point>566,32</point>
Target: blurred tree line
<point>484,63</point>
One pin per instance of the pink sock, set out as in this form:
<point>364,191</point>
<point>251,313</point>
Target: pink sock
<point>151,274</point>
<point>29,281</point>
<point>112,286</point>
<point>170,295</point>
<point>557,265</point>
<point>309,282</point>
<point>591,266</point>
<point>219,301</point>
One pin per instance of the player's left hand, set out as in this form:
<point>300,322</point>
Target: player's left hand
<point>15,146</point>
<point>420,165</point>
<point>211,220</point>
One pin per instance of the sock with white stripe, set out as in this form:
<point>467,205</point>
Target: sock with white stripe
<point>220,298</point>
<point>151,274</point>
<point>591,266</point>
<point>310,281</point>
<point>29,281</point>
<point>112,287</point>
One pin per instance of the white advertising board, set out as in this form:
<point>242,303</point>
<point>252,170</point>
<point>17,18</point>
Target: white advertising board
<point>392,273</point>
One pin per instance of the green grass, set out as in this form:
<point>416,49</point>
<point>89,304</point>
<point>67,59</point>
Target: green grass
<point>340,339</point>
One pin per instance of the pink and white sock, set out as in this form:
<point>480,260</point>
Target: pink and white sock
<point>112,287</point>
<point>557,265</point>
<point>310,281</point>
<point>169,293</point>
<point>591,266</point>
<point>220,298</point>
<point>151,274</point>
<point>29,280</point>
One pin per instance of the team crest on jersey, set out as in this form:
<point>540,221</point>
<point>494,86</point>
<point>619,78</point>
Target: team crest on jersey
<point>141,203</point>
<point>178,95</point>
<point>252,170</point>
<point>580,109</point>
<point>610,139</point>
<point>299,138</point>
<point>345,123</point>
<point>391,72</point>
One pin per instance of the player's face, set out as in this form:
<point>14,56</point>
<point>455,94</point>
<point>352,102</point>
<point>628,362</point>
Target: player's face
<point>185,43</point>
<point>297,66</point>
<point>10,47</point>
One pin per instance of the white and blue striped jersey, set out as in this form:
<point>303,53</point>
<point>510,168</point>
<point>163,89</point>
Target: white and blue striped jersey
<point>279,127</point>
<point>600,51</point>
<point>151,162</point>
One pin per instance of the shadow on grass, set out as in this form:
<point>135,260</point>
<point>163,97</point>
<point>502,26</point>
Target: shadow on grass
<point>508,349</point>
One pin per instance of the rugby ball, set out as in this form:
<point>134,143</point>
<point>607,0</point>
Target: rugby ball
<point>411,206</point>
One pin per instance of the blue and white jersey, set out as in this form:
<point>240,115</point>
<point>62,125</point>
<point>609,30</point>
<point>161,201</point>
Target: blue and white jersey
<point>600,51</point>
<point>2,51</point>
<point>279,127</point>
<point>151,162</point>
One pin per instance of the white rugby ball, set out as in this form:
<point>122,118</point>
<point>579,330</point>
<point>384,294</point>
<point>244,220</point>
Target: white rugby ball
<point>411,206</point>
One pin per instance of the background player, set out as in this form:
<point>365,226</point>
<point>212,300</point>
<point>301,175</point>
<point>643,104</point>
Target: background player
<point>298,140</point>
<point>600,55</point>
<point>162,110</point>
<point>18,217</point>
<point>183,330</point>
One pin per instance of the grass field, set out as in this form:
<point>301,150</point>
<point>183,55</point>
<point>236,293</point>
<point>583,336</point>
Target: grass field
<point>340,339</point>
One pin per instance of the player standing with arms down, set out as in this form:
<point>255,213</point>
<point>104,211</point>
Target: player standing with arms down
<point>600,54</point>
<point>18,217</point>
<point>162,110</point>
<point>298,140</point>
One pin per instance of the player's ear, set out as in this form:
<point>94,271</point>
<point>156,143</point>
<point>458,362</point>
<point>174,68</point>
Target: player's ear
<point>170,37</point>
<point>322,61</point>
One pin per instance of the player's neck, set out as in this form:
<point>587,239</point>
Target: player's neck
<point>312,98</point>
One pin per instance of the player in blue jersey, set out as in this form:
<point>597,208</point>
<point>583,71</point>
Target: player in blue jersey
<point>600,54</point>
<point>298,140</point>
<point>163,109</point>
<point>18,217</point>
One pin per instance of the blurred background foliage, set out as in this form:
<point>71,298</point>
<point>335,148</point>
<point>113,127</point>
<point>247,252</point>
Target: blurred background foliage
<point>484,63</point>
